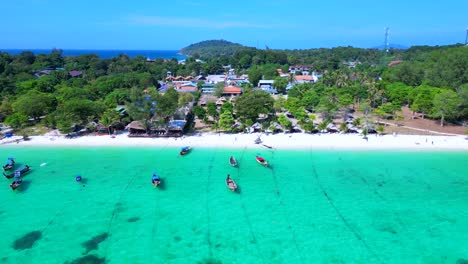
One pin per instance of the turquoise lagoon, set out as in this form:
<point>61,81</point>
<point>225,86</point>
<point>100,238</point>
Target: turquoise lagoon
<point>311,206</point>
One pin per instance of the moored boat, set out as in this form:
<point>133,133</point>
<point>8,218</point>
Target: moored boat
<point>16,183</point>
<point>17,172</point>
<point>261,161</point>
<point>233,161</point>
<point>9,164</point>
<point>184,150</point>
<point>155,180</point>
<point>231,184</point>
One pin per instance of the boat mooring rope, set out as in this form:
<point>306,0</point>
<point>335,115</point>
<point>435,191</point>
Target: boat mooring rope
<point>208,218</point>
<point>356,234</point>
<point>285,215</point>
<point>246,216</point>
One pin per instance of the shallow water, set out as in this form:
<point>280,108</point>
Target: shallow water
<point>309,207</point>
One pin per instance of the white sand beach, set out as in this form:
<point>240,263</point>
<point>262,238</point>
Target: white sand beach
<point>277,141</point>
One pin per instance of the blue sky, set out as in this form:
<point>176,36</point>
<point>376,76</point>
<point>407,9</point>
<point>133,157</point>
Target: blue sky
<point>162,25</point>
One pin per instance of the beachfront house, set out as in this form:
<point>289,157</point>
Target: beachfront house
<point>136,129</point>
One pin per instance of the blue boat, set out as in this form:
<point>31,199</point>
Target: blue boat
<point>17,172</point>
<point>184,150</point>
<point>155,180</point>
<point>9,165</point>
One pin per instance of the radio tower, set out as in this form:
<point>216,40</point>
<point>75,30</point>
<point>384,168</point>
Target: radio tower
<point>386,47</point>
<point>466,38</point>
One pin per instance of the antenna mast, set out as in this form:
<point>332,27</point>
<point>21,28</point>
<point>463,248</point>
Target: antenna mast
<point>386,47</point>
<point>387,44</point>
<point>466,38</point>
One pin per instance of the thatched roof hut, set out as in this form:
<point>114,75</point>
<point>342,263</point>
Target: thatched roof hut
<point>136,127</point>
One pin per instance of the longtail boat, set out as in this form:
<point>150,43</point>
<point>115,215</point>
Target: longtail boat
<point>184,150</point>
<point>233,161</point>
<point>9,164</point>
<point>261,161</point>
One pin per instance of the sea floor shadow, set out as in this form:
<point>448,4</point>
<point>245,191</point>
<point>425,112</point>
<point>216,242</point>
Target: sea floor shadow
<point>24,185</point>
<point>162,185</point>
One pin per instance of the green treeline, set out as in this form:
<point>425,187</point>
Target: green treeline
<point>432,81</point>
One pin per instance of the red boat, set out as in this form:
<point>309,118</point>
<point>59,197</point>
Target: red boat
<point>262,161</point>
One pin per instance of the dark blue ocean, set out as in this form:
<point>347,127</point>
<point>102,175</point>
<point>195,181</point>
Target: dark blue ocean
<point>106,54</point>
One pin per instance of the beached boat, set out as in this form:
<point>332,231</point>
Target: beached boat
<point>9,165</point>
<point>231,184</point>
<point>17,173</point>
<point>233,161</point>
<point>15,184</point>
<point>261,161</point>
<point>155,180</point>
<point>258,140</point>
<point>184,150</point>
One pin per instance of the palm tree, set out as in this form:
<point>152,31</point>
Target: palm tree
<point>109,118</point>
<point>323,125</point>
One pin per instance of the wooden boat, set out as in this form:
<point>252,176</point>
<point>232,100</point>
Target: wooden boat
<point>184,150</point>
<point>15,184</point>
<point>155,180</point>
<point>233,161</point>
<point>258,140</point>
<point>17,173</point>
<point>9,165</point>
<point>231,184</point>
<point>261,161</point>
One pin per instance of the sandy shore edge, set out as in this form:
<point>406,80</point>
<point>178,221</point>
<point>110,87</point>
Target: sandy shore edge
<point>277,141</point>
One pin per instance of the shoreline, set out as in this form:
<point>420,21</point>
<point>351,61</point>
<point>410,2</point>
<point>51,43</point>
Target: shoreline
<point>269,142</point>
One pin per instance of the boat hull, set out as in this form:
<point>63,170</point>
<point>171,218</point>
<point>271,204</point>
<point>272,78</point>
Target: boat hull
<point>233,162</point>
<point>262,161</point>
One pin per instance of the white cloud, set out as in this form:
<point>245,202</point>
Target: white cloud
<point>140,20</point>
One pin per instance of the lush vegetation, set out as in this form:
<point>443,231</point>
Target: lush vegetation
<point>432,81</point>
<point>211,48</point>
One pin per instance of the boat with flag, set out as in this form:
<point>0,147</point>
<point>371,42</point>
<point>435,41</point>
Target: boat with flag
<point>233,161</point>
<point>261,161</point>
<point>17,172</point>
<point>184,150</point>
<point>155,180</point>
<point>9,164</point>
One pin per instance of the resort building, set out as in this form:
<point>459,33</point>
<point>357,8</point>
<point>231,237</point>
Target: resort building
<point>232,91</point>
<point>216,78</point>
<point>267,86</point>
<point>208,88</point>
<point>298,79</point>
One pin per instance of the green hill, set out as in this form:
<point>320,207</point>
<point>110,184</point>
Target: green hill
<point>212,48</point>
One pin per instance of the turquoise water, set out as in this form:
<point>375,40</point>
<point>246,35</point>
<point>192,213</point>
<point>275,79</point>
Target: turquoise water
<point>310,207</point>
